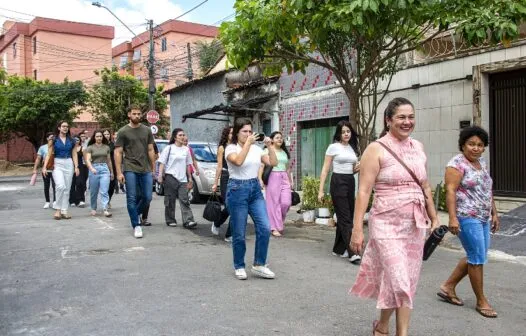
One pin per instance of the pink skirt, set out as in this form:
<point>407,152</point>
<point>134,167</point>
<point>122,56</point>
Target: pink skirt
<point>390,270</point>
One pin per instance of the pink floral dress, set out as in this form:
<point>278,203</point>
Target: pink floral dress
<point>392,260</point>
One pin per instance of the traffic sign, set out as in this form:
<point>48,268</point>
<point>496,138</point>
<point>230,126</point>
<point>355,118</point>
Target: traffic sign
<point>152,116</point>
<point>154,129</point>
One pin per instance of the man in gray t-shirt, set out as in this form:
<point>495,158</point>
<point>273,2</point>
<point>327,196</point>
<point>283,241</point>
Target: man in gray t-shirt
<point>135,141</point>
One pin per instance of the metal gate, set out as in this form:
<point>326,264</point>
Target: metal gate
<point>507,132</point>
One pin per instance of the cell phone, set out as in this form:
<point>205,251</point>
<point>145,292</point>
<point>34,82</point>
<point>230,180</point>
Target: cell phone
<point>260,136</point>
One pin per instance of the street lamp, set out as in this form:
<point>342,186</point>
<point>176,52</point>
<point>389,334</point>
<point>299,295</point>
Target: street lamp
<point>100,5</point>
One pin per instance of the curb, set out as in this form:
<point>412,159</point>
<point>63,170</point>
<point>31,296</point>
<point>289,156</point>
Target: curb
<point>15,179</point>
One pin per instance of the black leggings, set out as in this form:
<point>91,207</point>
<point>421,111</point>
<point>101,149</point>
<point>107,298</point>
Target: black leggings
<point>342,194</point>
<point>224,212</point>
<point>48,180</point>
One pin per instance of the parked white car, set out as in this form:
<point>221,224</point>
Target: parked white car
<point>206,155</point>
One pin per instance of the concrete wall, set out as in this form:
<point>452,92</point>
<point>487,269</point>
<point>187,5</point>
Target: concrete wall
<point>199,96</point>
<point>444,98</point>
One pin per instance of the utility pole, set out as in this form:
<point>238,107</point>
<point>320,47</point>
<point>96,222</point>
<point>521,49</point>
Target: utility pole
<point>151,68</point>
<point>189,71</point>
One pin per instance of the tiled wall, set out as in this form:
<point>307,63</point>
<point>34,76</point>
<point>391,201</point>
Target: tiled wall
<point>307,97</point>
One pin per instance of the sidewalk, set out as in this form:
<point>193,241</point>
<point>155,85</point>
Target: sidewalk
<point>17,179</point>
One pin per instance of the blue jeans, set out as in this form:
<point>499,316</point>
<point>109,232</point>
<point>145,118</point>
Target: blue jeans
<point>475,239</point>
<point>99,183</point>
<point>135,183</point>
<point>244,198</point>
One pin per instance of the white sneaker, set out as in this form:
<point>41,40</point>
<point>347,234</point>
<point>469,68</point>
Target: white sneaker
<point>214,230</point>
<point>137,232</point>
<point>228,239</point>
<point>82,205</point>
<point>54,204</point>
<point>355,259</point>
<point>263,272</point>
<point>72,205</point>
<point>107,213</point>
<point>241,274</point>
<point>345,254</point>
<point>46,205</point>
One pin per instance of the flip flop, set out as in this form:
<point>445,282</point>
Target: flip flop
<point>65,216</point>
<point>375,330</point>
<point>57,217</point>
<point>454,300</point>
<point>487,312</point>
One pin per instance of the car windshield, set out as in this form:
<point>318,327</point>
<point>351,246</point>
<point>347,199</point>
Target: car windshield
<point>204,152</point>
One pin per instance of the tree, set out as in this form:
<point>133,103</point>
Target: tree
<point>109,99</point>
<point>360,41</point>
<point>30,108</point>
<point>209,53</point>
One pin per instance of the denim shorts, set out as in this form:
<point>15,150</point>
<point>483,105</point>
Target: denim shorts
<point>474,236</point>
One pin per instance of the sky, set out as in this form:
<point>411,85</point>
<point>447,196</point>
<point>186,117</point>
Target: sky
<point>133,13</point>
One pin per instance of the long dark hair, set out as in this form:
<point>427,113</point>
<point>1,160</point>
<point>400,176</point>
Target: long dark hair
<point>283,147</point>
<point>109,131</point>
<point>223,141</point>
<point>92,139</point>
<point>174,134</point>
<point>57,132</point>
<point>354,136</point>
<point>390,111</point>
<point>238,125</point>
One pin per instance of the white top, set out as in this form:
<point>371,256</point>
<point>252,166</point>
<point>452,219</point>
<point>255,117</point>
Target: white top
<point>343,158</point>
<point>176,164</point>
<point>249,169</point>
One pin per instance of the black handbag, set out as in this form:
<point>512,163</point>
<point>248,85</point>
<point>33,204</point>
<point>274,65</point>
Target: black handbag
<point>434,239</point>
<point>266,173</point>
<point>212,211</point>
<point>295,197</point>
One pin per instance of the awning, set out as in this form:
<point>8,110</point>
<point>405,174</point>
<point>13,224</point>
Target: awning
<point>222,110</point>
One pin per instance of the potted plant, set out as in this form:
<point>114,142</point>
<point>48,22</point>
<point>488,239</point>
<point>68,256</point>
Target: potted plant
<point>324,208</point>
<point>309,200</point>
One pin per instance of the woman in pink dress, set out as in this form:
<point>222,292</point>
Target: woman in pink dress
<point>398,219</point>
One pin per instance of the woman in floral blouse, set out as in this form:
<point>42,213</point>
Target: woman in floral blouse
<point>472,214</point>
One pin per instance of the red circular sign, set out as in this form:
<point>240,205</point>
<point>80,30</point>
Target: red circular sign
<point>152,116</point>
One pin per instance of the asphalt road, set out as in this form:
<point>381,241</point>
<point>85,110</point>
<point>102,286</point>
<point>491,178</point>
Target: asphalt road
<point>89,276</point>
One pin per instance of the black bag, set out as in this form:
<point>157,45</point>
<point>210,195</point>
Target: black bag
<point>266,173</point>
<point>295,197</point>
<point>212,211</point>
<point>434,239</point>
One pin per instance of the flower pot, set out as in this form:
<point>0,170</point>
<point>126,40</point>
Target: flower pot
<point>308,216</point>
<point>324,213</point>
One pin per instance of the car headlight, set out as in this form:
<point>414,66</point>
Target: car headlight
<point>210,174</point>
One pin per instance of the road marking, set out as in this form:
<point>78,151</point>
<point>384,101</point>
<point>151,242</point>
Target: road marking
<point>523,230</point>
<point>106,226</point>
<point>64,251</point>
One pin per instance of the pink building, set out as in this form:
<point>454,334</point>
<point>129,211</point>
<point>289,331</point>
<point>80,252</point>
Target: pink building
<point>171,52</point>
<point>53,50</point>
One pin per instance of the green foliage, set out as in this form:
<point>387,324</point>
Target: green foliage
<point>326,202</point>
<point>360,41</point>
<point>441,188</point>
<point>209,53</point>
<point>109,99</point>
<point>30,108</point>
<point>309,198</point>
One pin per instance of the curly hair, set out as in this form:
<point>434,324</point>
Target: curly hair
<point>223,141</point>
<point>472,131</point>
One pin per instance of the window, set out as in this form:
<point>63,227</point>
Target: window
<point>14,50</point>
<point>164,44</point>
<point>34,45</point>
<point>35,72</point>
<point>137,55</point>
<point>164,74</point>
<point>123,61</point>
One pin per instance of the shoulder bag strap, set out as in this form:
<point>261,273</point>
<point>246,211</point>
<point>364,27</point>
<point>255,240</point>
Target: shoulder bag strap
<point>413,175</point>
